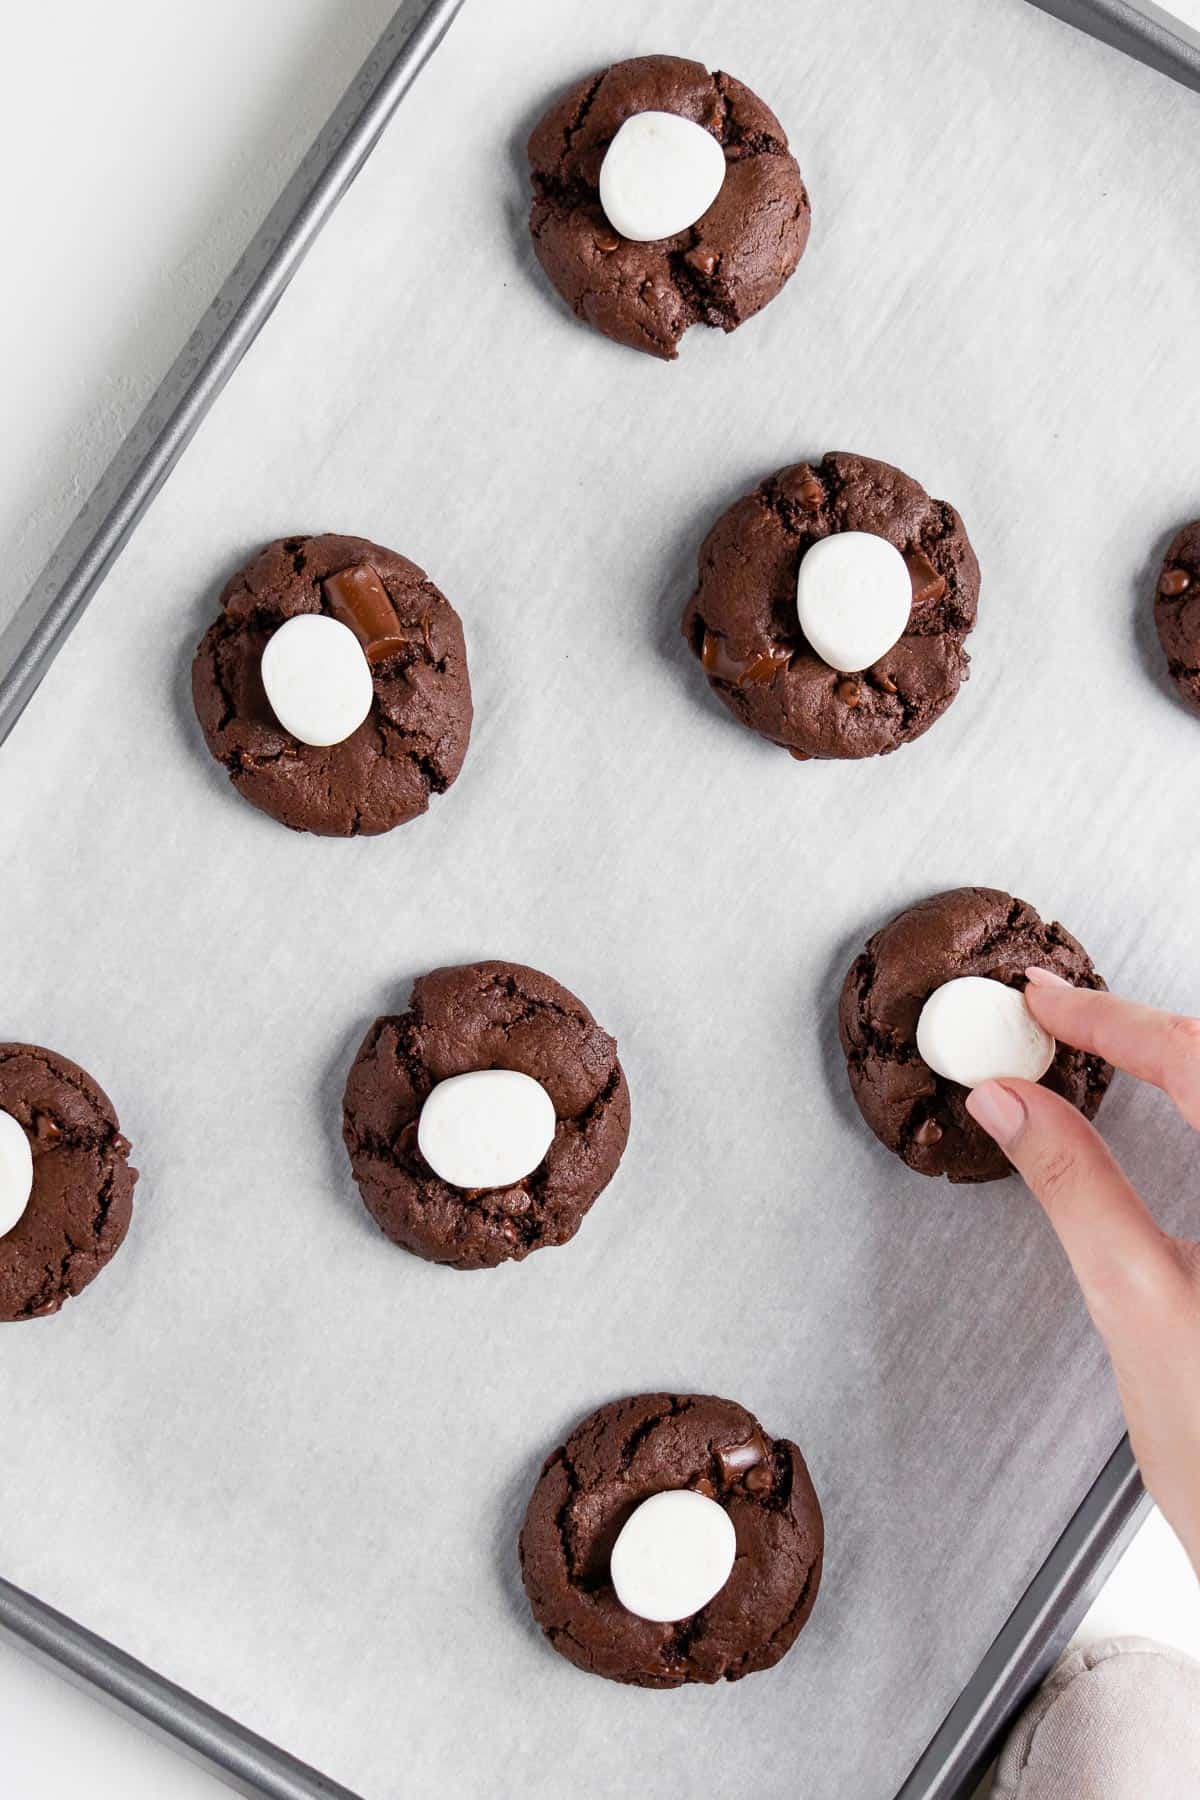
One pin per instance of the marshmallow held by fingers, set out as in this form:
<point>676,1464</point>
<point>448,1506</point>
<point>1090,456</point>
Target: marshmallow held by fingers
<point>973,1029</point>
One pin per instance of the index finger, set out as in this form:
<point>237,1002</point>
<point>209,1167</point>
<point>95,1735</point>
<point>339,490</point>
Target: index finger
<point>1159,1047</point>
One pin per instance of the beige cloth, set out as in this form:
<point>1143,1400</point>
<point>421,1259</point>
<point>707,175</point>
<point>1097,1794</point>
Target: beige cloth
<point>1115,1721</point>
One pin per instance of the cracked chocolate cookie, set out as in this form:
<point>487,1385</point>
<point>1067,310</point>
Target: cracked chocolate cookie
<point>373,685</point>
<point>628,1453</point>
<point>743,621</point>
<point>717,268</point>
<point>1177,613</point>
<point>967,931</point>
<point>432,1143</point>
<point>75,1194</point>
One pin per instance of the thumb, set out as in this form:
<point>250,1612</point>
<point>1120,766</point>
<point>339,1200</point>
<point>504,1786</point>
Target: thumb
<point>1122,1260</point>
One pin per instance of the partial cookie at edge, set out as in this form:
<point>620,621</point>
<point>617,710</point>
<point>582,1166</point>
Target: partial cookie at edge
<point>82,1199</point>
<point>1177,613</point>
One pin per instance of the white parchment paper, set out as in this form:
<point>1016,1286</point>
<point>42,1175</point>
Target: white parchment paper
<point>281,1460</point>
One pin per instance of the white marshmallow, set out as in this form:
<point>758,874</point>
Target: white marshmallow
<point>16,1172</point>
<point>854,595</point>
<point>486,1129</point>
<point>317,678</point>
<point>660,174</point>
<point>974,1029</point>
<point>674,1553</point>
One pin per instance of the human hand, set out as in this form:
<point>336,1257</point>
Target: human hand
<point>1142,1287</point>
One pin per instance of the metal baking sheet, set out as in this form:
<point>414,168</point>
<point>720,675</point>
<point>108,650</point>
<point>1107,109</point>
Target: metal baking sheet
<point>301,1455</point>
<point>1165,38</point>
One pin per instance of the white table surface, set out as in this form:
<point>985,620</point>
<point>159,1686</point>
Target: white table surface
<point>148,147</point>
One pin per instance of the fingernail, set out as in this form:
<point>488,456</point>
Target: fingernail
<point>1045,978</point>
<point>1001,1113</point>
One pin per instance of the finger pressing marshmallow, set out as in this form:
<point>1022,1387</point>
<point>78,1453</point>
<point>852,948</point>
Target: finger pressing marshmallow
<point>974,1029</point>
<point>660,174</point>
<point>487,1128</point>
<point>854,596</point>
<point>674,1553</point>
<point>317,679</point>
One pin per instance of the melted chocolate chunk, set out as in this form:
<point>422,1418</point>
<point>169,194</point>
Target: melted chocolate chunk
<point>927,584</point>
<point>749,671</point>
<point>358,598</point>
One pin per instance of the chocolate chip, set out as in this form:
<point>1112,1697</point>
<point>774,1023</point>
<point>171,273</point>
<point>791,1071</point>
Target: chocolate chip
<point>703,260</point>
<point>760,1479</point>
<point>848,690</point>
<point>406,1142</point>
<point>800,755</point>
<point>45,1130</point>
<point>927,584</point>
<point>927,1133</point>
<point>735,1459</point>
<point>1174,582</point>
<point>704,1486</point>
<point>607,242</point>
<point>812,494</point>
<point>887,684</point>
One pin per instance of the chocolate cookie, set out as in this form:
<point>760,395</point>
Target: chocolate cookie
<point>413,740</point>
<point>718,271</point>
<point>81,1199</point>
<point>967,931</point>
<point>616,1459</point>
<point>489,1015</point>
<point>743,625</point>
<point>1177,613</point>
